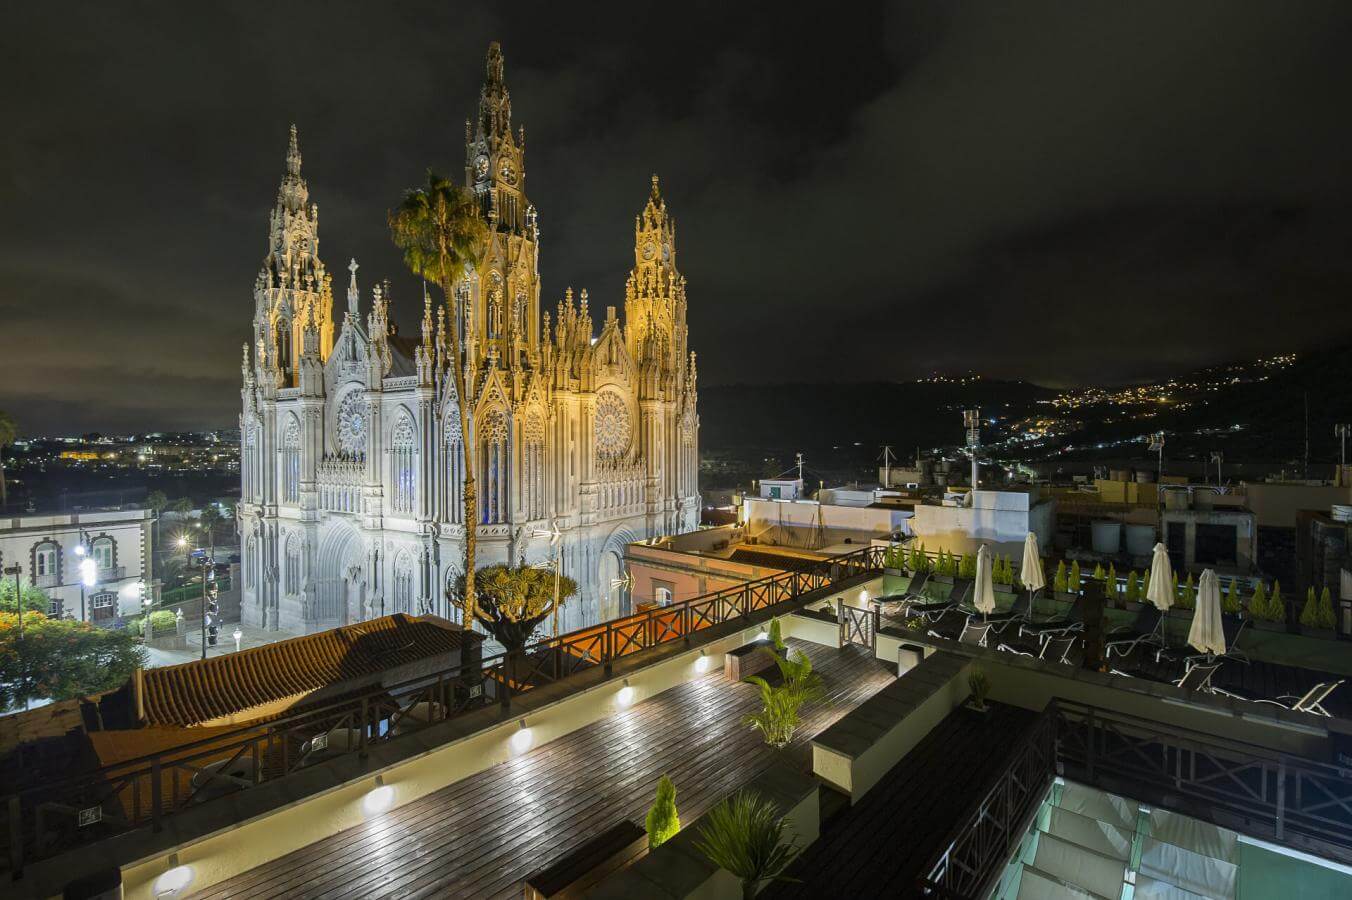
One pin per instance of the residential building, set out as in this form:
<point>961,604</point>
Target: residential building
<point>50,550</point>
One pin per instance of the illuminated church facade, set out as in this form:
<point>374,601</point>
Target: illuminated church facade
<point>351,442</point>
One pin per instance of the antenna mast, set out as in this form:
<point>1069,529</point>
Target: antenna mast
<point>972,419</point>
<point>887,466</point>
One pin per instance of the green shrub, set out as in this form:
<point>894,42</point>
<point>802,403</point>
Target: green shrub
<point>1258,603</point>
<point>1230,598</point>
<point>1110,583</point>
<point>1275,608</point>
<point>663,823</point>
<point>1327,617</point>
<point>1318,611</point>
<point>1187,598</point>
<point>1133,587</point>
<point>1098,571</point>
<point>744,834</point>
<point>1074,580</point>
<point>1059,579</point>
<point>979,685</point>
<point>967,566</point>
<point>1309,612</point>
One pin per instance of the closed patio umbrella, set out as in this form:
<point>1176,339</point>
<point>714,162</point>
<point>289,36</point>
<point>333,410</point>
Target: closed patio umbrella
<point>1161,592</point>
<point>1031,573</point>
<point>1207,633</point>
<point>985,582</point>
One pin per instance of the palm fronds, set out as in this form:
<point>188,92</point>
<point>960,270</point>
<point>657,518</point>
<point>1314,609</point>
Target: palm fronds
<point>745,835</point>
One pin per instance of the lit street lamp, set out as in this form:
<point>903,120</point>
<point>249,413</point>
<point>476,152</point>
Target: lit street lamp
<point>238,636</point>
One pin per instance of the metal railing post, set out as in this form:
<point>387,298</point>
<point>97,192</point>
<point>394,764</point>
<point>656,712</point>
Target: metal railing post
<point>1280,824</point>
<point>608,648</point>
<point>15,836</point>
<point>156,793</point>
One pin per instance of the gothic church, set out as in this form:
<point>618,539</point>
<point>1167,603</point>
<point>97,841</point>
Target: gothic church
<point>351,457</point>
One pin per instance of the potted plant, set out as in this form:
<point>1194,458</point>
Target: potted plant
<point>1317,618</point>
<point>662,822</point>
<point>894,561</point>
<point>1003,575</point>
<point>1267,614</point>
<point>778,718</point>
<point>980,686</point>
<point>966,566</point>
<point>1230,605</point>
<point>1110,590</point>
<point>1132,599</point>
<point>941,572</point>
<point>744,834</point>
<point>1185,599</point>
<point>1061,583</point>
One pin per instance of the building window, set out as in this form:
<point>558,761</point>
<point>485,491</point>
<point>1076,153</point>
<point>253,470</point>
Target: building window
<point>293,555</point>
<point>662,594</point>
<point>493,467</point>
<point>103,600</point>
<point>44,560</point>
<point>103,553</point>
<point>403,585</point>
<point>402,444</point>
<point>54,608</point>
<point>291,463</point>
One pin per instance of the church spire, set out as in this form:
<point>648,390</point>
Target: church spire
<point>293,194</point>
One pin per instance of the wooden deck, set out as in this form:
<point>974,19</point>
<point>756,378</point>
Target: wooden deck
<point>483,836</point>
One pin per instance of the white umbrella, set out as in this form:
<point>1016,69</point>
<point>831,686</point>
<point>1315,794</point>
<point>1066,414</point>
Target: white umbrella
<point>1031,573</point>
<point>1161,592</point>
<point>985,582</point>
<point>1207,633</point>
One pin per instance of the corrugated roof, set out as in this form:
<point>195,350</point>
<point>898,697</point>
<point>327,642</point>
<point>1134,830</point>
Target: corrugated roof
<point>210,689</point>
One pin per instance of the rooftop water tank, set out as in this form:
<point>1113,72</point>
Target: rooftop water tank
<point>1107,537</point>
<point>1140,540</point>
<point>1145,476</point>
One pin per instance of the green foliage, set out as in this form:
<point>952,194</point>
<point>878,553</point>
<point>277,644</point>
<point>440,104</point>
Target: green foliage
<point>776,634</point>
<point>513,600</point>
<point>161,620</point>
<point>1110,583</point>
<point>34,598</point>
<point>778,716</point>
<point>1098,571</point>
<point>894,557</point>
<point>980,686</point>
<point>919,562</point>
<point>1187,598</point>
<point>1327,617</point>
<point>744,834</point>
<point>967,566</point>
<point>1133,587</point>
<point>1274,610</point>
<point>1059,579</point>
<point>662,822</point>
<point>1073,580</point>
<point>59,659</point>
<point>1003,570</point>
<point>1318,611</point>
<point>1258,603</point>
<point>1230,598</point>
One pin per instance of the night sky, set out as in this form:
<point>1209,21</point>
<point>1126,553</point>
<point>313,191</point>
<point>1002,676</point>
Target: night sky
<point>1065,192</point>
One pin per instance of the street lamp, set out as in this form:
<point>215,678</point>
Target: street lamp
<point>238,636</point>
<point>89,570</point>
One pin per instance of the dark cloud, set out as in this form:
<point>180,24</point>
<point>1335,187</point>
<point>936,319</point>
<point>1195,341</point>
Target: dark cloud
<point>1065,192</point>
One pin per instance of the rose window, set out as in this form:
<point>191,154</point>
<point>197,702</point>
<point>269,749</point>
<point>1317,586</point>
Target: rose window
<point>613,429</point>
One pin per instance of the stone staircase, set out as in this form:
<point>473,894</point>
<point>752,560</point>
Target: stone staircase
<point>1089,844</point>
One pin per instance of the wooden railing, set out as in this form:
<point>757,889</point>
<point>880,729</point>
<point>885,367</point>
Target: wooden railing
<point>49,818</point>
<point>1290,800</point>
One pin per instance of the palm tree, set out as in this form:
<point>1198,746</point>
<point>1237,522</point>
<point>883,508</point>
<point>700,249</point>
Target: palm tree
<point>8,432</point>
<point>439,227</point>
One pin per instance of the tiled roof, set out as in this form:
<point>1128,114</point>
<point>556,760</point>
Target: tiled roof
<point>223,686</point>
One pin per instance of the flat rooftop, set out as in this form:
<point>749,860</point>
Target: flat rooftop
<point>481,837</point>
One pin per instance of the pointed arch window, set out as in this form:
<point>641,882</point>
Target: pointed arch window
<point>533,466</point>
<point>402,583</point>
<point>293,564</point>
<point>403,444</point>
<point>291,462</point>
<point>454,501</point>
<point>494,468</point>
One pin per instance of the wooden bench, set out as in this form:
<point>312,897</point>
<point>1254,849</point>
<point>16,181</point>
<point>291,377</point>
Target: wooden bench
<point>748,660</point>
<point>572,875</point>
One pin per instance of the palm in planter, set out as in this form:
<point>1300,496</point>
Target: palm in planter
<point>744,834</point>
<point>778,717</point>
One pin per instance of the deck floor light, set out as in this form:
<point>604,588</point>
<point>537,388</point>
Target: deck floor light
<point>378,800</point>
<point>702,663</point>
<point>626,694</point>
<point>521,738</point>
<point>174,882</point>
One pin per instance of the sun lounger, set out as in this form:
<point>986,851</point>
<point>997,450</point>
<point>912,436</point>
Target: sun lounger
<point>1055,649</point>
<point>1148,630</point>
<point>1310,702</point>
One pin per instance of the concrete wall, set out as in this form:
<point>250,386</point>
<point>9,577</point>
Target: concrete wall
<point>999,518</point>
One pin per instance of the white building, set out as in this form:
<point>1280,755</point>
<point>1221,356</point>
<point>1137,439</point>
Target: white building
<point>1001,519</point>
<point>352,446</point>
<point>50,549</point>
